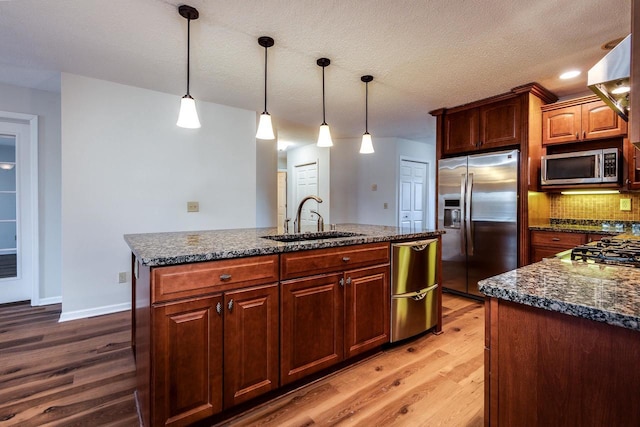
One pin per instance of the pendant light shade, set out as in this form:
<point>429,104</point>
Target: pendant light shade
<point>265,127</point>
<point>367,145</point>
<point>188,117</point>
<point>324,136</point>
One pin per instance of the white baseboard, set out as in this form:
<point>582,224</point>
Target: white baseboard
<point>47,301</point>
<point>98,311</point>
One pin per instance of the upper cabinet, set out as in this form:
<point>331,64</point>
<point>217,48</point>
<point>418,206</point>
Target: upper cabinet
<point>494,125</point>
<point>579,120</point>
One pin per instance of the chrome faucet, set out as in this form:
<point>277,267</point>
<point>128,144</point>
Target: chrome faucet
<point>320,221</point>
<point>296,223</point>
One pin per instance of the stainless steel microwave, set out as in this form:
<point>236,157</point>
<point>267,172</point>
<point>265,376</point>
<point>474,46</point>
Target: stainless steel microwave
<point>581,167</point>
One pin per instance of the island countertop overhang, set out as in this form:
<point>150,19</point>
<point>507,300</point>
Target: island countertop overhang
<point>172,248</point>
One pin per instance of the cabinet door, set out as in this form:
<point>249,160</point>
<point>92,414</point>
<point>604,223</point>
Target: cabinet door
<point>367,309</point>
<point>312,329</point>
<point>187,350</point>
<point>561,125</point>
<point>600,121</point>
<point>461,131</point>
<point>250,343</point>
<point>500,124</point>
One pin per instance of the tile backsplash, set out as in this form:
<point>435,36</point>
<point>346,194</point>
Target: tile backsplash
<point>595,207</point>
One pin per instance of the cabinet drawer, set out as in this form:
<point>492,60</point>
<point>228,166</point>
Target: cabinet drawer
<point>319,261</point>
<point>559,239</point>
<point>174,282</point>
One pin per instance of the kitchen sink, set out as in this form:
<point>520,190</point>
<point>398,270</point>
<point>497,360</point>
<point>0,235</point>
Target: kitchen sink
<point>311,236</point>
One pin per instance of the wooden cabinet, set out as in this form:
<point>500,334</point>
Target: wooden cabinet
<point>544,368</point>
<point>490,126</point>
<point>578,120</point>
<point>545,244</point>
<point>214,338</point>
<point>327,318</point>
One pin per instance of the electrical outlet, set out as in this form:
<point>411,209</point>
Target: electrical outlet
<point>122,277</point>
<point>386,205</point>
<point>625,204</point>
<point>193,207</point>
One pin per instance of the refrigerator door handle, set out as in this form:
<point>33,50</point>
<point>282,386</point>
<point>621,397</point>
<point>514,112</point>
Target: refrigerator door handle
<point>468,223</point>
<point>463,192</point>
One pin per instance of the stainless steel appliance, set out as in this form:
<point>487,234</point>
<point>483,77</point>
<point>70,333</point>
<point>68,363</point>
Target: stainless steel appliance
<point>581,167</point>
<point>477,206</point>
<point>609,78</point>
<point>414,302</point>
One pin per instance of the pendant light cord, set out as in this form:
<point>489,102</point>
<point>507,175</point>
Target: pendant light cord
<point>188,52</point>
<point>366,108</point>
<point>324,120</point>
<point>265,80</point>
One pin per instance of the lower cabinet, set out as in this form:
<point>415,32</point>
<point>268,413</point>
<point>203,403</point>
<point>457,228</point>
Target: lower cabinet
<point>212,353</point>
<point>328,318</point>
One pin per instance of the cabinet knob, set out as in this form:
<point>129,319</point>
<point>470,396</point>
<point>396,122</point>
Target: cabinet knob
<point>577,135</point>
<point>348,280</point>
<point>584,134</point>
<point>225,277</point>
<point>219,307</point>
<point>230,305</point>
<point>555,239</point>
<point>341,282</point>
<point>346,259</point>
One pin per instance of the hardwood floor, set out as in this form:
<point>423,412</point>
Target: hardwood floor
<point>81,373</point>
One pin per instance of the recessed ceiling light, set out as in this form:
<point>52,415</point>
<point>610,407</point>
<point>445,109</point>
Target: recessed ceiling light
<point>570,74</point>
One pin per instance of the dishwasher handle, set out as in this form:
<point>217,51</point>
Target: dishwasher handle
<point>419,295</point>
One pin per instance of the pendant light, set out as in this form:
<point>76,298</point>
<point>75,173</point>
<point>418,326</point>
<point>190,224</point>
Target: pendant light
<point>367,146</point>
<point>265,128</point>
<point>188,117</point>
<point>324,136</point>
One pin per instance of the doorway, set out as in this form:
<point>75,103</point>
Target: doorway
<point>306,184</point>
<point>282,197</point>
<point>18,208</point>
<point>412,195</point>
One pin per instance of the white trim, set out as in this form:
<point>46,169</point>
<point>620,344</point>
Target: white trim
<point>426,189</point>
<point>97,311</point>
<point>48,301</point>
<point>35,213</point>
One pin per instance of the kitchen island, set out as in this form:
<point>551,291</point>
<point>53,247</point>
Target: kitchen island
<point>222,317</point>
<point>562,345</point>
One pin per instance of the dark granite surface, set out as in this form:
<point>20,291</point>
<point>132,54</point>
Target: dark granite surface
<point>156,249</point>
<point>575,228</point>
<point>609,294</point>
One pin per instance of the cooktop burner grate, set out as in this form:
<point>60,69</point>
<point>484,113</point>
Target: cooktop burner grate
<point>609,251</point>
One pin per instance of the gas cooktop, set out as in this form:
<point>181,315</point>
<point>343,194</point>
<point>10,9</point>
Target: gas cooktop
<point>609,251</point>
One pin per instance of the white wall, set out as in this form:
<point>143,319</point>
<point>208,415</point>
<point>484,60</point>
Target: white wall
<point>266,183</point>
<point>46,105</point>
<point>127,168</point>
<point>303,155</point>
<point>353,176</point>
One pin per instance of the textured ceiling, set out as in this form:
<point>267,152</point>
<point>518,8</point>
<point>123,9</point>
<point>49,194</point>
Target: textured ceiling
<point>423,54</point>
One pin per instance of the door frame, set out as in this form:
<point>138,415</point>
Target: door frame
<point>426,189</point>
<point>32,121</point>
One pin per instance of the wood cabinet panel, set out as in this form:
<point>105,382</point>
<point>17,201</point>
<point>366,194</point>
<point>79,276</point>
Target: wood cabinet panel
<point>187,356</point>
<point>188,280</point>
<point>558,239</point>
<point>600,121</point>
<point>250,343</point>
<point>590,375</point>
<point>461,131</point>
<point>312,326</point>
<point>319,261</point>
<point>366,328</point>
<point>561,125</point>
<point>500,124</point>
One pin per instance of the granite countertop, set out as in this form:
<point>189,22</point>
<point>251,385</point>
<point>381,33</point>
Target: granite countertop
<point>603,293</point>
<point>157,249</point>
<point>575,228</point>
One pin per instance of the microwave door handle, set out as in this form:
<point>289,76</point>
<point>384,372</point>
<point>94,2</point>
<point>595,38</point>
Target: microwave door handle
<point>463,192</point>
<point>598,167</point>
<point>469,227</point>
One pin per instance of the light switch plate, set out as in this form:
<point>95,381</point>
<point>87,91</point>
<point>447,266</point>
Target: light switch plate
<point>625,204</point>
<point>122,277</point>
<point>193,207</point>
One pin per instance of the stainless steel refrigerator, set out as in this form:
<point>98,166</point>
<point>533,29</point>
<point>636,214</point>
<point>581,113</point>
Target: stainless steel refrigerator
<point>477,206</point>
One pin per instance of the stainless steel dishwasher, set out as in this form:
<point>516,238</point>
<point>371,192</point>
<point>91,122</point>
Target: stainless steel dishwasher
<point>414,302</point>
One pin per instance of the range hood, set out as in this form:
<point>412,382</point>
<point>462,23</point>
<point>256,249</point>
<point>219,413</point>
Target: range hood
<point>610,75</point>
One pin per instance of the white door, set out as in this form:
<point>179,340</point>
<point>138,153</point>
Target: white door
<point>18,205</point>
<point>282,197</point>
<point>306,184</point>
<point>413,195</point>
